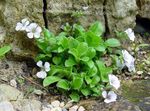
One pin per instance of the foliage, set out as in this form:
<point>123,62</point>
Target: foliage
<point>77,64</point>
<point>4,50</point>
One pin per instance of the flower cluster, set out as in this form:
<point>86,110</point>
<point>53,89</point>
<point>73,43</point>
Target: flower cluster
<point>44,69</point>
<point>111,96</point>
<point>32,29</point>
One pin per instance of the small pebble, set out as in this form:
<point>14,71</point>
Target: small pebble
<point>139,72</point>
<point>13,83</point>
<point>74,108</point>
<point>62,104</point>
<point>55,103</point>
<point>81,108</point>
<point>56,109</point>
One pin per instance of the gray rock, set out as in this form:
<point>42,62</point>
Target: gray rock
<point>27,105</point>
<point>11,93</point>
<point>6,106</point>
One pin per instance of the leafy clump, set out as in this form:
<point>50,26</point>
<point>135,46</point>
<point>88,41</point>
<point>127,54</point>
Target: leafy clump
<point>76,57</point>
<point>4,50</point>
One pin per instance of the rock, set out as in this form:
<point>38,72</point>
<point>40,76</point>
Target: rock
<point>62,104</point>
<point>81,108</point>
<point>11,69</point>
<point>74,108</point>
<point>144,6</point>
<point>13,83</point>
<point>139,72</point>
<point>27,105</point>
<point>2,96</point>
<point>55,103</point>
<point>6,106</point>
<point>13,11</point>
<point>120,14</point>
<point>11,93</point>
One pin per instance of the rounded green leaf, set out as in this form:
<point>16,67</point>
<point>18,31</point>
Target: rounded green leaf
<point>86,92</point>
<point>112,42</point>
<point>4,50</point>
<point>75,96</point>
<point>50,80</point>
<point>63,84</point>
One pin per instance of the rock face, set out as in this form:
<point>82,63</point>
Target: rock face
<point>12,99</point>
<point>11,12</point>
<point>144,8</point>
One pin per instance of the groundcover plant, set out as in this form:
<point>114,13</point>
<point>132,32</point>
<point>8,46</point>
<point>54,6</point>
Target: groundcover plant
<point>74,61</point>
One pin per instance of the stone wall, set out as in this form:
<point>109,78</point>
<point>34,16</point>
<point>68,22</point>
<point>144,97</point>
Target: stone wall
<point>114,15</point>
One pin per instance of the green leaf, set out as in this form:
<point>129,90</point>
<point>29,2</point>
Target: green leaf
<point>92,39</point>
<point>85,59</point>
<point>75,96</point>
<point>4,50</point>
<point>77,82</point>
<point>86,92</point>
<point>43,57</point>
<point>56,60</point>
<point>104,71</point>
<point>47,34</point>
<point>97,28</point>
<point>101,48</point>
<point>64,84</point>
<point>88,79</point>
<point>82,48</point>
<point>91,53</point>
<point>79,30</point>
<point>90,64</point>
<point>112,42</point>
<point>50,80</point>
<point>74,52</point>
<point>70,62</point>
<point>92,71</point>
<point>95,81</point>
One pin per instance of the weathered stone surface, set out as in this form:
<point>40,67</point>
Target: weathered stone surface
<point>10,92</point>
<point>27,105</point>
<point>11,69</point>
<point>6,106</point>
<point>120,14</point>
<point>61,12</point>
<point>13,11</point>
<point>144,8</point>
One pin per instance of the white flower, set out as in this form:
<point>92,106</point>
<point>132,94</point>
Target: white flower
<point>44,69</point>
<point>114,81</point>
<point>109,97</point>
<point>22,25</point>
<point>129,60</point>
<point>85,7</point>
<point>130,34</point>
<point>33,30</point>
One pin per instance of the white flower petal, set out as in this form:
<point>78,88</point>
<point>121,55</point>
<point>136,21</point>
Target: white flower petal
<point>18,26</point>
<point>104,94</point>
<point>114,81</point>
<point>39,29</point>
<point>129,60</point>
<point>30,35</point>
<point>47,66</point>
<point>41,74</point>
<point>36,34</point>
<point>130,34</point>
<point>40,64</point>
<point>112,96</point>
<point>31,27</point>
<point>24,20</point>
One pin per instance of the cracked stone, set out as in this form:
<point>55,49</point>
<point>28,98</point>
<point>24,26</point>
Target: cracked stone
<point>10,92</point>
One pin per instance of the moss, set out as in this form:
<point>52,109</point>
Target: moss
<point>136,91</point>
